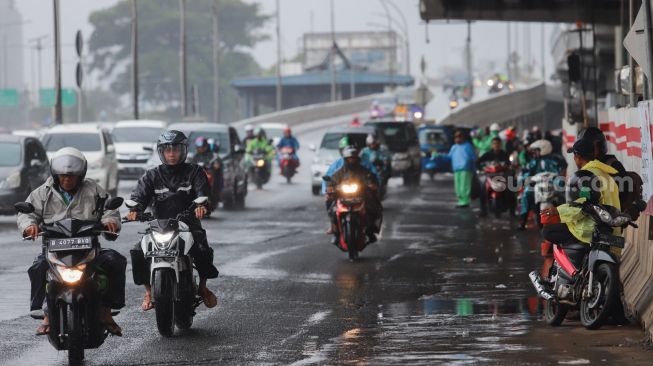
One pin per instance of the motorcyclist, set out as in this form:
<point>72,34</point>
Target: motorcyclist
<point>378,156</point>
<point>376,111</point>
<point>249,135</point>
<point>169,189</point>
<point>288,140</point>
<point>600,144</point>
<point>541,161</point>
<point>208,159</point>
<point>355,121</point>
<point>353,169</point>
<point>339,163</point>
<point>67,194</point>
<point>260,143</point>
<point>500,157</point>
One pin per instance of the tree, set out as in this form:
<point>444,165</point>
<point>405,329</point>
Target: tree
<point>158,25</point>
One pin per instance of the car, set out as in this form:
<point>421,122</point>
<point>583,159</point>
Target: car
<point>273,131</point>
<point>328,152</point>
<point>24,166</point>
<point>387,103</point>
<point>435,139</point>
<point>401,139</point>
<point>232,154</point>
<point>95,143</point>
<point>130,138</point>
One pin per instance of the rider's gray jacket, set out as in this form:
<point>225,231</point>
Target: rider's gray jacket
<point>50,206</point>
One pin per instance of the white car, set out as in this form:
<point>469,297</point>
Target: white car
<point>95,143</point>
<point>130,138</point>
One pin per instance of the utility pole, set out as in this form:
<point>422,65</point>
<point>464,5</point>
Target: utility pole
<point>406,34</point>
<point>631,61</point>
<point>134,50</point>
<point>182,58</point>
<point>39,47</point>
<point>543,51</point>
<point>279,91</point>
<point>332,64</point>
<point>216,65</point>
<point>508,39</point>
<point>58,108</point>
<point>468,58</point>
<point>393,45</point>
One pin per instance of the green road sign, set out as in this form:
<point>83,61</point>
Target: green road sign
<point>8,98</point>
<point>47,97</point>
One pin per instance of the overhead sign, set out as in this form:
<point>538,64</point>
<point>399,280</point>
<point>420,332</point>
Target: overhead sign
<point>635,43</point>
<point>47,97</point>
<point>9,98</point>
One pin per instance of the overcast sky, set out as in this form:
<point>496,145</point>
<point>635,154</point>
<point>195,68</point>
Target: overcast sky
<point>298,17</point>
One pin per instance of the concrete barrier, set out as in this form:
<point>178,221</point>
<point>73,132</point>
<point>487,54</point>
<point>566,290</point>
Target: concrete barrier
<point>314,112</point>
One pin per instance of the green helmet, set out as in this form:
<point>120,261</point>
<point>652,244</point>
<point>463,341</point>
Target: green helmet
<point>344,142</point>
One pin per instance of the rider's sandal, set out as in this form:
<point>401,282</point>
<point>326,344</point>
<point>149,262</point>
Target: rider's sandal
<point>43,329</point>
<point>147,303</point>
<point>209,298</point>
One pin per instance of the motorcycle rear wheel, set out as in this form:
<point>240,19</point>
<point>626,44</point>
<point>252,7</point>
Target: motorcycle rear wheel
<point>555,312</point>
<point>163,293</point>
<point>606,287</point>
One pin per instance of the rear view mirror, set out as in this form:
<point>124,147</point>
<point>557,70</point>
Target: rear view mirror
<point>35,163</point>
<point>148,148</point>
<point>24,207</point>
<point>238,149</point>
<point>312,147</point>
<point>114,203</point>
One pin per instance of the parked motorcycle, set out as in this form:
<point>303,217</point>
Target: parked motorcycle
<point>260,169</point>
<point>499,198</point>
<point>287,162</point>
<point>70,247</point>
<point>351,217</point>
<point>586,277</point>
<point>166,245</point>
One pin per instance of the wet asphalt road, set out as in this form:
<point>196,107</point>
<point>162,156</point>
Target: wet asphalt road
<point>440,287</point>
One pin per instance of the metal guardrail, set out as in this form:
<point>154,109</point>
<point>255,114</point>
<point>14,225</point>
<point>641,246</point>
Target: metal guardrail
<point>506,109</point>
<point>313,112</point>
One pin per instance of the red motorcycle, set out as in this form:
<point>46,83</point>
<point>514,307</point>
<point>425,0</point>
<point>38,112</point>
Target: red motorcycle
<point>498,198</point>
<point>351,217</point>
<point>287,162</point>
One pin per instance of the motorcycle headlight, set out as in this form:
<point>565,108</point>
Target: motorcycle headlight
<point>490,82</point>
<point>349,188</point>
<point>71,274</point>
<point>260,163</point>
<point>417,115</point>
<point>12,181</point>
<point>162,238</point>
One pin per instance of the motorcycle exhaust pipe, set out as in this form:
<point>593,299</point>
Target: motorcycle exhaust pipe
<point>537,283</point>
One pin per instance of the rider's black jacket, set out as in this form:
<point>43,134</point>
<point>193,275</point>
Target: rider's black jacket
<point>171,189</point>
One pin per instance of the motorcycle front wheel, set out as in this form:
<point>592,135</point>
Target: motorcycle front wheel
<point>163,293</point>
<point>594,311</point>
<point>75,339</point>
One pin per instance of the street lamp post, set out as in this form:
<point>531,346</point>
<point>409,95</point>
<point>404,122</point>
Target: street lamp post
<point>393,44</point>
<point>279,91</point>
<point>134,54</point>
<point>182,58</point>
<point>216,65</point>
<point>58,108</point>
<point>332,56</point>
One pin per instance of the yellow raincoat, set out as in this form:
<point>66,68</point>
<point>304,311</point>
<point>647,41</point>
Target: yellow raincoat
<point>581,225</point>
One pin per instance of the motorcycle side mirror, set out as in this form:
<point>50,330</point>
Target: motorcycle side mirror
<point>238,149</point>
<point>312,147</point>
<point>148,148</point>
<point>640,204</point>
<point>114,203</point>
<point>326,178</point>
<point>201,200</point>
<point>131,203</point>
<point>24,207</point>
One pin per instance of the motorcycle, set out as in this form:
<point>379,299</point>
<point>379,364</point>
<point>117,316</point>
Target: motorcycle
<point>214,192</point>
<point>586,277</point>
<point>351,217</point>
<point>166,245</point>
<point>70,247</point>
<point>499,198</point>
<point>287,163</point>
<point>260,170</point>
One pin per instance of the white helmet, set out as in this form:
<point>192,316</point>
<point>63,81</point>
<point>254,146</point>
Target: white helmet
<point>543,145</point>
<point>495,127</point>
<point>249,128</point>
<point>68,161</point>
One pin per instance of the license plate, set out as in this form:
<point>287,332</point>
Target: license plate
<point>162,253</point>
<point>56,245</point>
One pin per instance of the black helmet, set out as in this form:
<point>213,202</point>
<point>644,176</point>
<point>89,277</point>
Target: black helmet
<point>584,184</point>
<point>172,138</point>
<point>597,137</point>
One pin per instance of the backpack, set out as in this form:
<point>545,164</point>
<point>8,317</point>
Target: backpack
<point>630,187</point>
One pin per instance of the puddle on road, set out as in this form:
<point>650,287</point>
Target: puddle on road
<point>433,330</point>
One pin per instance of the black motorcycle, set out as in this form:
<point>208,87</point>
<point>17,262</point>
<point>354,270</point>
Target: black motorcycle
<point>260,169</point>
<point>70,247</point>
